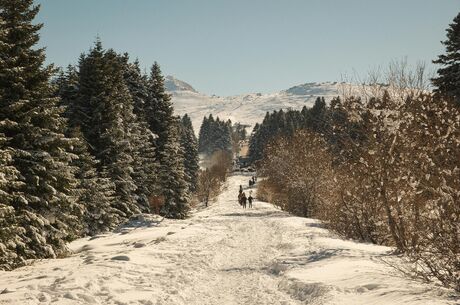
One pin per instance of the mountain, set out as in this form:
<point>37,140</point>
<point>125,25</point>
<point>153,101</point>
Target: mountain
<point>246,108</point>
<point>173,84</point>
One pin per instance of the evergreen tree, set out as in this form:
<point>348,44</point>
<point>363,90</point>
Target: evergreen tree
<point>190,146</point>
<point>215,135</point>
<point>138,86</point>
<point>96,191</point>
<point>145,164</point>
<point>104,112</point>
<point>67,85</point>
<point>448,80</point>
<point>173,176</point>
<point>46,209</point>
<point>158,108</point>
<point>169,154</point>
<point>204,137</point>
<point>10,238</point>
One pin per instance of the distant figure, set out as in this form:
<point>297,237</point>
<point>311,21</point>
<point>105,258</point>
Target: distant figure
<point>250,201</point>
<point>253,180</point>
<point>241,188</point>
<point>250,182</point>
<point>243,200</point>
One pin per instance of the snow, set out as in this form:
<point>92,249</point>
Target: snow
<point>220,255</point>
<point>246,108</point>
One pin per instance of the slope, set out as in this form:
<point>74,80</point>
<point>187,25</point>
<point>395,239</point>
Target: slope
<point>246,108</point>
<point>221,255</point>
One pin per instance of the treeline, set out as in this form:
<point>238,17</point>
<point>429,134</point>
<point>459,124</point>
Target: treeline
<point>84,151</point>
<point>285,123</point>
<point>384,167</point>
<point>215,134</point>
<point>219,140</point>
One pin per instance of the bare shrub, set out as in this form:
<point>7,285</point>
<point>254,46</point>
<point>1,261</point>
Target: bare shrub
<point>299,171</point>
<point>211,178</point>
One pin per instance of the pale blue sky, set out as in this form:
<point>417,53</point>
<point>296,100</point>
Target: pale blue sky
<point>238,46</point>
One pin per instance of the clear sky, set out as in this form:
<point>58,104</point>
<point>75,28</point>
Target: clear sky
<point>228,47</point>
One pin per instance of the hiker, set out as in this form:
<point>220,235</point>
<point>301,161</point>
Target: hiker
<point>241,189</point>
<point>240,195</point>
<point>250,200</point>
<point>253,180</point>
<point>243,200</point>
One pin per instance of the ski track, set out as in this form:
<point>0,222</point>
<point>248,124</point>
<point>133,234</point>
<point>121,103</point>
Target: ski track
<point>220,255</point>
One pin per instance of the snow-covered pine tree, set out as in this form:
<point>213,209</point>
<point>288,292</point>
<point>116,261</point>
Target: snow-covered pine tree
<point>137,85</point>
<point>448,80</point>
<point>173,176</point>
<point>10,238</point>
<point>95,190</point>
<point>67,89</point>
<point>8,182</point>
<point>47,211</point>
<point>259,138</point>
<point>105,115</point>
<point>204,136</point>
<point>159,116</point>
<point>158,108</point>
<point>221,136</point>
<point>190,146</point>
<point>145,165</point>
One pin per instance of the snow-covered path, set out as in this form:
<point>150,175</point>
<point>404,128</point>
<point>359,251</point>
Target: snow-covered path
<point>221,255</point>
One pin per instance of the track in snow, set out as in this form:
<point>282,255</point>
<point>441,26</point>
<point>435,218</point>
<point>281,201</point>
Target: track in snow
<point>221,255</point>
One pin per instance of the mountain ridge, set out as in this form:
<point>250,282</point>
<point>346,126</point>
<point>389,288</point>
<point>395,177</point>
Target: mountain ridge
<point>249,108</point>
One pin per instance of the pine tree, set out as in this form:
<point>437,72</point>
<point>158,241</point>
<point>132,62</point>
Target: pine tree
<point>46,209</point>
<point>448,80</point>
<point>104,112</point>
<point>158,108</point>
<point>145,164</point>
<point>96,191</point>
<point>204,135</point>
<point>173,176</point>
<point>67,85</point>
<point>170,156</point>
<point>10,233</point>
<point>190,146</point>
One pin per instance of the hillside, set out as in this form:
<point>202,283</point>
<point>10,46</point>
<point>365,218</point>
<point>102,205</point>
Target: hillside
<point>246,108</point>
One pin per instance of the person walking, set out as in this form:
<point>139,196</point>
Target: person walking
<point>250,201</point>
<point>243,200</point>
<point>240,193</point>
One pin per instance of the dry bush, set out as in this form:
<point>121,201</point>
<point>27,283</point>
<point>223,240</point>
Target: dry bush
<point>299,172</point>
<point>211,179</point>
<point>264,192</point>
<point>220,164</point>
<point>405,170</point>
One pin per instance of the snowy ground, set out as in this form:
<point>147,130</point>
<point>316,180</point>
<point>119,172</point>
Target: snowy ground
<point>246,108</point>
<point>221,255</point>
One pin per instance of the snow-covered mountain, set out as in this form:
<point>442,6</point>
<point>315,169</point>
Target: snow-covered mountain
<point>173,84</point>
<point>246,108</point>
